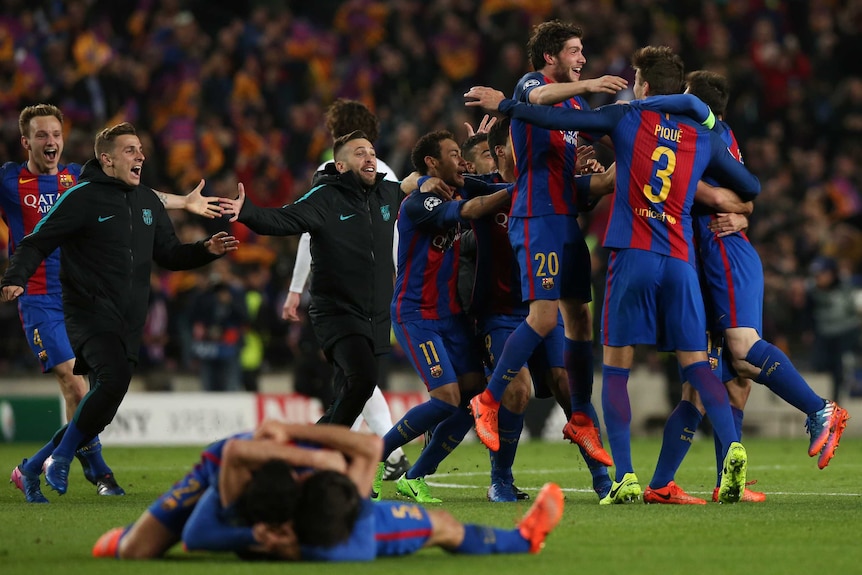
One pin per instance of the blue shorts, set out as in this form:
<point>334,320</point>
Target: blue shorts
<point>45,329</point>
<point>439,349</point>
<point>553,257</point>
<point>175,506</point>
<point>400,528</point>
<point>496,329</point>
<point>733,283</point>
<point>652,299</point>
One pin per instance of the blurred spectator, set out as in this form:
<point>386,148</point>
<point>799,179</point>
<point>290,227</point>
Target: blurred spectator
<point>151,363</point>
<point>219,321</point>
<point>261,316</point>
<point>836,324</point>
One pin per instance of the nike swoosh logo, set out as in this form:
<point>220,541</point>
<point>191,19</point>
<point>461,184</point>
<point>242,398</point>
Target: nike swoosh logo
<point>25,180</point>
<point>413,491</point>
<point>342,217</point>
<point>104,218</point>
<point>614,492</point>
<point>662,495</point>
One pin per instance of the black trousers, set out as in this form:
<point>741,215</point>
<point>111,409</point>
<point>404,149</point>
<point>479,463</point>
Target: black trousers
<point>355,374</point>
<point>110,373</point>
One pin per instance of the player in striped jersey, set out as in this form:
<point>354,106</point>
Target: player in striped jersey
<point>652,293</point>
<point>300,492</point>
<point>426,314</point>
<point>552,255</point>
<point>732,277</point>
<point>499,308</point>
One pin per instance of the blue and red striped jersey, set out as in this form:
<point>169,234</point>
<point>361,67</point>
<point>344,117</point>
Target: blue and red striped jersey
<point>498,282</point>
<point>702,214</point>
<point>660,158</point>
<point>429,245</point>
<point>545,160</point>
<point>25,198</point>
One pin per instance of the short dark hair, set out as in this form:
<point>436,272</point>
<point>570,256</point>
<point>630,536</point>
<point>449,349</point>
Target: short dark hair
<point>549,38</point>
<point>498,135</point>
<point>469,145</point>
<point>342,141</point>
<point>327,509</point>
<point>660,67</point>
<point>344,116</point>
<point>105,138</point>
<point>36,111</point>
<point>710,87</point>
<point>271,495</point>
<point>428,145</point>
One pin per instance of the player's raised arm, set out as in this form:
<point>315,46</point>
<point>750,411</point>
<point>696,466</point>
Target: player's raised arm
<point>550,94</point>
<point>602,120</point>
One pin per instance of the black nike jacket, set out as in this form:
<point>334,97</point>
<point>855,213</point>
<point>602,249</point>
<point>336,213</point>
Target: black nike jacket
<point>351,229</point>
<point>109,234</point>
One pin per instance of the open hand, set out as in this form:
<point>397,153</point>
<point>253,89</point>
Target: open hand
<point>484,126</point>
<point>231,207</point>
<point>607,84</point>
<point>488,98</point>
<point>206,206</point>
<point>221,243</point>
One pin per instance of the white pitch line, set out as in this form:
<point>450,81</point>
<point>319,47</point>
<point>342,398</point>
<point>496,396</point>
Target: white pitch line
<point>575,490</point>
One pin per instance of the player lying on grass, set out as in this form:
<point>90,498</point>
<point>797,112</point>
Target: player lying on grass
<point>242,497</point>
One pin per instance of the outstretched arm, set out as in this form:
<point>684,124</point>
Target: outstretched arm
<point>602,120</point>
<point>194,202</point>
<point>550,94</point>
<point>304,215</point>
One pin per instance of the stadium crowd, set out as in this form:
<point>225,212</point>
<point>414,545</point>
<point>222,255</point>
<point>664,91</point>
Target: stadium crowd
<point>233,92</point>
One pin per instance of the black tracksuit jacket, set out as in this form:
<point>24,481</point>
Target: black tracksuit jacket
<point>109,234</point>
<point>352,272</point>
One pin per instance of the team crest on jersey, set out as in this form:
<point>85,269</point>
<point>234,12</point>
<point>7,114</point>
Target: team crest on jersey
<point>43,356</point>
<point>431,202</point>
<point>384,211</point>
<point>436,371</point>
<point>548,283</point>
<point>66,180</point>
<point>531,83</point>
<point>148,216</point>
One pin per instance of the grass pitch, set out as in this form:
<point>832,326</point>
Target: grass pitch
<point>809,523</point>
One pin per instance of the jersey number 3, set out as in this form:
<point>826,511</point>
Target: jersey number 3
<point>663,174</point>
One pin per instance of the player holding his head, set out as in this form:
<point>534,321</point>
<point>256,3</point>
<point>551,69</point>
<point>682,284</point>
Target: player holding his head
<point>300,492</point>
<point>552,255</point>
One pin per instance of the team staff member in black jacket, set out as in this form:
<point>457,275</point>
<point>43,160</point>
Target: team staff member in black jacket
<point>350,213</point>
<point>111,228</point>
